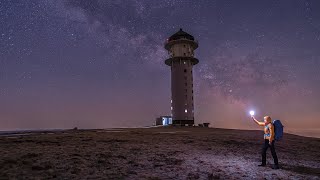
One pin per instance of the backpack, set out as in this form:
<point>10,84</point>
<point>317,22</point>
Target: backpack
<point>278,129</point>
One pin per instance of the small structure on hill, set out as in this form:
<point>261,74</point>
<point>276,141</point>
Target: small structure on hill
<point>204,125</point>
<point>163,120</point>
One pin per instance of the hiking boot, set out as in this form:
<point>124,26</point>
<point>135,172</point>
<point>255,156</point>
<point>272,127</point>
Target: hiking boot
<point>275,166</point>
<point>262,165</point>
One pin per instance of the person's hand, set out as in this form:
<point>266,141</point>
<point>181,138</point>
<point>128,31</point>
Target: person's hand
<point>270,142</point>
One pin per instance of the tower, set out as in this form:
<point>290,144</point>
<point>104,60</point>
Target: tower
<point>181,46</point>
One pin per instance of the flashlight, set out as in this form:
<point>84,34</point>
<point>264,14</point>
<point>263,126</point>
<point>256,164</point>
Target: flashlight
<point>251,113</point>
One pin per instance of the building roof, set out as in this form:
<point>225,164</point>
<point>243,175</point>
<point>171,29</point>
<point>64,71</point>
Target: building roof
<point>179,35</point>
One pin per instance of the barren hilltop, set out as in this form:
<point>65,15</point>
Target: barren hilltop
<point>155,153</point>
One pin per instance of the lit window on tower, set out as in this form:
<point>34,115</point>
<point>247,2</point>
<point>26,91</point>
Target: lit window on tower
<point>185,110</point>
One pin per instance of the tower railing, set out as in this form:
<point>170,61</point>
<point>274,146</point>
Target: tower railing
<point>167,41</point>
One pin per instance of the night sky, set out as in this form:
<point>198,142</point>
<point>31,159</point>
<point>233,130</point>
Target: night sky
<point>100,64</point>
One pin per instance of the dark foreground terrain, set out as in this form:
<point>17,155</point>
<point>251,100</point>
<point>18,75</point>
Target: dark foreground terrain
<point>154,153</point>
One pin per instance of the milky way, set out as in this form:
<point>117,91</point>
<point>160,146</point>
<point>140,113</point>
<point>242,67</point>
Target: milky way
<point>96,64</point>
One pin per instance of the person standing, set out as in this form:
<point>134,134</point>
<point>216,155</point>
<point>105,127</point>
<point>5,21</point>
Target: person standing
<point>268,141</point>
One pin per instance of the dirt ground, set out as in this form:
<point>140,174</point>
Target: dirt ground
<point>155,153</point>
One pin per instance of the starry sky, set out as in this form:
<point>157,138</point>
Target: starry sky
<point>100,64</point>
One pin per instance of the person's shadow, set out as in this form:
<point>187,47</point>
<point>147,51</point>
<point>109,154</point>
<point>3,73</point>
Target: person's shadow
<point>301,169</point>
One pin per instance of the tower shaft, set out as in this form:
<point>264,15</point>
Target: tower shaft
<point>182,91</point>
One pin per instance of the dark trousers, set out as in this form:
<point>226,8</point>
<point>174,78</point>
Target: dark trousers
<point>273,152</point>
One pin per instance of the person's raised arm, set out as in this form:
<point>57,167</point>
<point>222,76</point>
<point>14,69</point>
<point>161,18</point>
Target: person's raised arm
<point>256,121</point>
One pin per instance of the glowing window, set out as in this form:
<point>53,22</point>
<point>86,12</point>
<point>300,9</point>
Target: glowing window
<point>185,110</point>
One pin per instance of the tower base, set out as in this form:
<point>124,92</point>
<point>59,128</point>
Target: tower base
<point>183,122</point>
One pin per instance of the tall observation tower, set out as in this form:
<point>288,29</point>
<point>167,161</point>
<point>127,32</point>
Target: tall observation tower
<point>181,46</point>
